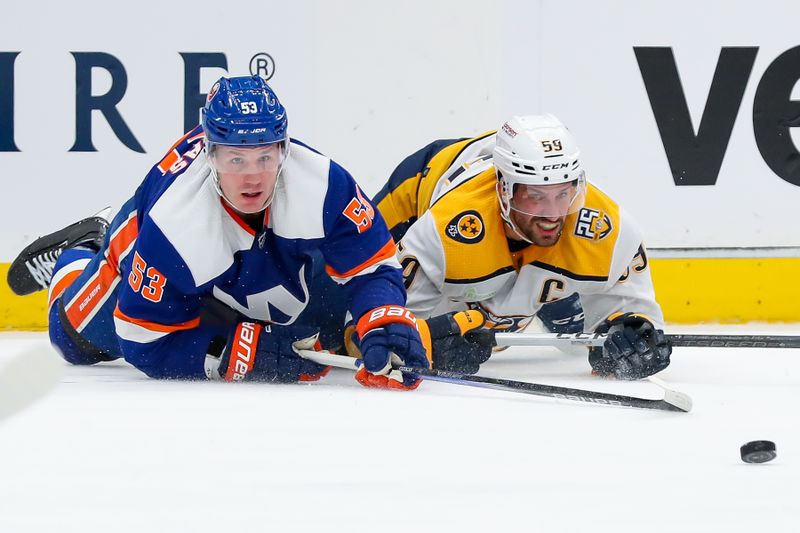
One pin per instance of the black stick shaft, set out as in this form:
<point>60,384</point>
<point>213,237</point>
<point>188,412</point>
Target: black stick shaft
<point>551,391</point>
<point>672,400</point>
<point>736,341</point>
<point>597,339</point>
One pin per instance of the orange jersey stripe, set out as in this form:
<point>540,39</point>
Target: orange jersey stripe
<point>59,288</point>
<point>172,154</point>
<point>387,252</point>
<point>122,239</point>
<point>82,305</point>
<point>155,326</point>
<point>169,160</point>
<point>97,288</point>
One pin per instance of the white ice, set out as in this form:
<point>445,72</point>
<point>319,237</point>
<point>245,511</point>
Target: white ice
<point>110,450</point>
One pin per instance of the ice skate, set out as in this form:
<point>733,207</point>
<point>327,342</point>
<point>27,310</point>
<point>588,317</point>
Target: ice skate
<point>32,270</point>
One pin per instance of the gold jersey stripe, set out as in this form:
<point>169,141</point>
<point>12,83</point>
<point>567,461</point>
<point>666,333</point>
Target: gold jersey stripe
<point>439,164</point>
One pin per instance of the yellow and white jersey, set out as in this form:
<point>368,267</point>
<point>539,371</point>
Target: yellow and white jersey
<point>408,192</point>
<point>456,254</point>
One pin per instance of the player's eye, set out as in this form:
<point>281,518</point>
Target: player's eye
<point>236,161</point>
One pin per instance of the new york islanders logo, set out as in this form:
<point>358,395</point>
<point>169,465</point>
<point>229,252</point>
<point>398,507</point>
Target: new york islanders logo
<point>466,227</point>
<point>212,92</point>
<point>593,224</point>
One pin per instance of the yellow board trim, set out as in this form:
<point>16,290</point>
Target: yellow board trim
<point>728,290</point>
<point>718,290</point>
<point>27,313</point>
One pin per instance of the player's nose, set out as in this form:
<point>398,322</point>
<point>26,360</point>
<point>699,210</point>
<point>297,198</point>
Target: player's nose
<point>252,178</point>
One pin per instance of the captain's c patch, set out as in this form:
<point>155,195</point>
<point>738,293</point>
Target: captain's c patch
<point>466,227</point>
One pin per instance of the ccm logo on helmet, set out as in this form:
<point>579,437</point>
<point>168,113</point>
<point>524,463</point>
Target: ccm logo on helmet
<point>555,167</point>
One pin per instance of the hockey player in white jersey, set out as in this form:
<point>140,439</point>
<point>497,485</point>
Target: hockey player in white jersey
<point>507,224</point>
<point>220,265</point>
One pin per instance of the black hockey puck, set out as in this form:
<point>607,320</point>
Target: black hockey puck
<point>758,451</point>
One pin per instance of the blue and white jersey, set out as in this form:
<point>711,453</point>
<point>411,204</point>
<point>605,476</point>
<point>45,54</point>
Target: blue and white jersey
<point>177,244</point>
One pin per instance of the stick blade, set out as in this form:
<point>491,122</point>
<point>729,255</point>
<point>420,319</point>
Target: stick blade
<point>678,399</point>
<point>26,378</point>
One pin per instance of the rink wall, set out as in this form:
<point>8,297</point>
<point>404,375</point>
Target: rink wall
<point>687,112</point>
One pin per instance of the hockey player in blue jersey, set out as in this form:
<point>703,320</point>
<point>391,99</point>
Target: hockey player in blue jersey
<point>212,269</point>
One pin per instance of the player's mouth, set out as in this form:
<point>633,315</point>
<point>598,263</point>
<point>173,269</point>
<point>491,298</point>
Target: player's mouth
<point>251,195</point>
<point>547,227</point>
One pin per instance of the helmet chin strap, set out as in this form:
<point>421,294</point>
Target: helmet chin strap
<point>516,230</point>
<point>505,213</point>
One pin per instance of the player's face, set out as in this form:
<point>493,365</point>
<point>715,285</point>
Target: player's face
<point>540,231</point>
<point>539,210</point>
<point>247,176</point>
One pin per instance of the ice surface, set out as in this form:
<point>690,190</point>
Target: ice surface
<point>110,450</point>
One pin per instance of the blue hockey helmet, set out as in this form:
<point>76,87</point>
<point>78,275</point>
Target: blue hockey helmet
<point>244,113</point>
<point>244,110</point>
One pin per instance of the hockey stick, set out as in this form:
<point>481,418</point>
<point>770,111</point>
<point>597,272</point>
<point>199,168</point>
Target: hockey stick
<point>26,378</point>
<point>672,400</point>
<point>597,339</point>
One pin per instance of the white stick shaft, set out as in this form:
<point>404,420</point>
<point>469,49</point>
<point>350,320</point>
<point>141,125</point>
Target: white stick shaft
<point>331,359</point>
<point>341,361</point>
<point>550,339</point>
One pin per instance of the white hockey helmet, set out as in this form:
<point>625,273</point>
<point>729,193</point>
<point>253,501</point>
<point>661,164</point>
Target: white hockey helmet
<point>531,154</point>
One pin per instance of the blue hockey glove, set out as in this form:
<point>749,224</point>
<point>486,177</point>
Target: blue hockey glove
<point>266,352</point>
<point>634,348</point>
<point>387,330</point>
<point>562,316</point>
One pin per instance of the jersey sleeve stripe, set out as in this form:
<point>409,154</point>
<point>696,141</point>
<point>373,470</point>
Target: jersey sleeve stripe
<point>153,327</point>
<point>386,255</point>
<point>94,293</point>
<point>85,304</point>
<point>172,154</point>
<point>65,277</point>
<point>134,333</point>
<point>122,240</point>
<point>169,160</point>
<point>399,205</point>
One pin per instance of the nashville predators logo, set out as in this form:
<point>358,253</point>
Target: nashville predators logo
<point>593,224</point>
<point>504,324</point>
<point>466,227</point>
